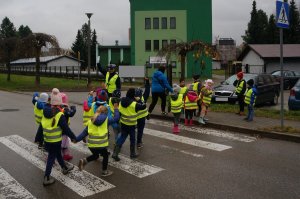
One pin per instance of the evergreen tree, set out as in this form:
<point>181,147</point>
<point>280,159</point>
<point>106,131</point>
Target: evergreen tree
<point>251,32</point>
<point>292,35</point>
<point>272,32</point>
<point>78,46</point>
<point>7,29</point>
<point>24,31</point>
<point>261,29</point>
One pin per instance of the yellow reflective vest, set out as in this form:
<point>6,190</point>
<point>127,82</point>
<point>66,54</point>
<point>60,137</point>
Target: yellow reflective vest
<point>190,105</point>
<point>239,87</point>
<point>51,133</point>
<point>195,87</point>
<point>248,97</point>
<point>38,114</point>
<point>111,84</point>
<point>128,114</point>
<point>87,115</point>
<point>183,90</point>
<point>97,135</point>
<point>176,105</point>
<point>206,99</point>
<point>142,113</point>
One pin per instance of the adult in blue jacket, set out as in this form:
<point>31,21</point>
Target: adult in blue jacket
<point>159,85</point>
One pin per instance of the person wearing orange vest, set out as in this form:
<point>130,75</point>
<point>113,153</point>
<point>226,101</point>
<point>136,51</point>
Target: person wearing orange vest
<point>240,90</point>
<point>112,79</point>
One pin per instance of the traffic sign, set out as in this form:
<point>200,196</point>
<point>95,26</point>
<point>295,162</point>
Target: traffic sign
<point>282,14</point>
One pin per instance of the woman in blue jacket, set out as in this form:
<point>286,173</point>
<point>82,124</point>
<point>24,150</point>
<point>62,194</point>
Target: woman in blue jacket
<point>159,85</point>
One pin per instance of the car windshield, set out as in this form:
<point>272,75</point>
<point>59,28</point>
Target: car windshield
<point>232,78</point>
<point>277,73</point>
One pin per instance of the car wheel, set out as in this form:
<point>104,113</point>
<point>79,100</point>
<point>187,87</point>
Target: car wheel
<point>275,100</point>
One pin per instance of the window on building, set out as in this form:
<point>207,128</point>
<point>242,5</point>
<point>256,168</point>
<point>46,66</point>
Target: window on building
<point>164,43</point>
<point>147,23</point>
<point>156,45</point>
<point>155,23</point>
<point>148,45</point>
<point>173,42</point>
<point>172,22</point>
<point>164,23</point>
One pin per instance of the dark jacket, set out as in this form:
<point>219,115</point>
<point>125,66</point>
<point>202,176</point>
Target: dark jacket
<point>104,71</point>
<point>237,82</point>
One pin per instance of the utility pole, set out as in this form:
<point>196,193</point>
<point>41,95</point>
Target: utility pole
<point>89,50</point>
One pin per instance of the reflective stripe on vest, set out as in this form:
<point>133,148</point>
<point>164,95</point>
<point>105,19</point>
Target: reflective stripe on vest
<point>177,105</point>
<point>87,115</point>
<point>38,114</point>
<point>207,99</point>
<point>142,113</point>
<point>111,84</point>
<point>239,88</point>
<point>183,90</point>
<point>51,133</point>
<point>248,97</point>
<point>128,114</point>
<point>190,105</point>
<point>98,135</point>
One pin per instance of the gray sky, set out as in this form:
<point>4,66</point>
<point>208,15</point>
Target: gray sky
<point>63,18</point>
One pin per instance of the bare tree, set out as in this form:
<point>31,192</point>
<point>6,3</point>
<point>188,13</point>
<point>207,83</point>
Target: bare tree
<point>181,49</point>
<point>32,46</point>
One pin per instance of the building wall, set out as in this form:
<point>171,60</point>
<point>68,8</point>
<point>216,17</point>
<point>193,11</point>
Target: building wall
<point>287,65</point>
<point>113,55</point>
<point>256,64</point>
<point>198,24</point>
<point>63,61</point>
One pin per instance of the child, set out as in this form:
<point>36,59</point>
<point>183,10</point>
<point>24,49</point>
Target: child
<point>205,97</point>
<point>115,98</point>
<point>176,103</point>
<point>97,132</point>
<point>250,99</point>
<point>54,125</point>
<point>190,105</point>
<point>183,89</point>
<point>68,112</point>
<point>39,104</point>
<point>88,112</point>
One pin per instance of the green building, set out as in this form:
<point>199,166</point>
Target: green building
<point>155,23</point>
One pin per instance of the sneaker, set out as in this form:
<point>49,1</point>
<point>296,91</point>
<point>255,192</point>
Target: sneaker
<point>205,119</point>
<point>67,169</point>
<point>48,181</point>
<point>139,145</point>
<point>106,173</point>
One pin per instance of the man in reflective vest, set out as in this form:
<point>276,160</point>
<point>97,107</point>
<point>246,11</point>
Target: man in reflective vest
<point>240,89</point>
<point>128,120</point>
<point>250,98</point>
<point>97,132</point>
<point>112,79</point>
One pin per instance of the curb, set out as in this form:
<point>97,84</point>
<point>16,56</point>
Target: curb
<point>252,132</point>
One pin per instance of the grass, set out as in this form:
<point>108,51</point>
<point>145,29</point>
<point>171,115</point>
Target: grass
<point>218,72</point>
<point>285,129</point>
<point>259,112</point>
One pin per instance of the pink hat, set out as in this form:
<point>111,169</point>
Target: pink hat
<point>56,97</point>
<point>65,99</point>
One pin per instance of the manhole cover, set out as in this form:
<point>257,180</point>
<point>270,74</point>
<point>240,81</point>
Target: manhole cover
<point>9,110</point>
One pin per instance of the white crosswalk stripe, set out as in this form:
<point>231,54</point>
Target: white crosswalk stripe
<point>83,183</point>
<point>198,129</point>
<point>186,140</point>
<point>134,167</point>
<point>10,188</point>
<point>197,155</point>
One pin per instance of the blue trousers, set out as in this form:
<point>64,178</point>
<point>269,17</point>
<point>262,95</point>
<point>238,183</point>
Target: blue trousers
<point>140,129</point>
<point>250,113</point>
<point>125,131</point>
<point>54,152</point>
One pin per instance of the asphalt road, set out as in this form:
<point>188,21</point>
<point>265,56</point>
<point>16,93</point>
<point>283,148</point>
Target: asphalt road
<point>198,163</point>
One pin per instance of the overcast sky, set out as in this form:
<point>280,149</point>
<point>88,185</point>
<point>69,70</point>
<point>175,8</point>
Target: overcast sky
<point>63,18</point>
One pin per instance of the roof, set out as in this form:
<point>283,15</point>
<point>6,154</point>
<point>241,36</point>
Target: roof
<point>42,59</point>
<point>272,50</point>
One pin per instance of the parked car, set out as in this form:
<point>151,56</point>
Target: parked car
<point>289,78</point>
<point>294,99</point>
<point>267,86</point>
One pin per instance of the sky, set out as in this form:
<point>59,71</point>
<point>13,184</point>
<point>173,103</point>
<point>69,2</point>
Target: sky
<point>111,18</point>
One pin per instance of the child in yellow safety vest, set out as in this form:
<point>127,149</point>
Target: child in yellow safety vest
<point>190,105</point>
<point>205,97</point>
<point>176,104</point>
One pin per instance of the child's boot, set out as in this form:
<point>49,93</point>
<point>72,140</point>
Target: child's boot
<point>48,180</point>
<point>132,152</point>
<point>191,122</point>
<point>176,128</point>
<point>201,121</point>
<point>173,129</point>
<point>186,122</point>
<point>116,152</point>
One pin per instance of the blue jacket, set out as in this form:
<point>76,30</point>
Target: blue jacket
<point>254,94</point>
<point>160,82</point>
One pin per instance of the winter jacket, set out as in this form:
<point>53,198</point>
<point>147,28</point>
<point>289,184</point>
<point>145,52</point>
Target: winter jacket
<point>160,82</point>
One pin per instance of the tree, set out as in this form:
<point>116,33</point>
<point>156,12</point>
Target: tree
<point>78,45</point>
<point>32,46</point>
<point>272,32</point>
<point>251,32</point>
<point>262,23</point>
<point>24,31</point>
<point>7,29</point>
<point>292,35</point>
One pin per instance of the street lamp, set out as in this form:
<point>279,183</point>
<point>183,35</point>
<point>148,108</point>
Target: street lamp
<point>89,48</point>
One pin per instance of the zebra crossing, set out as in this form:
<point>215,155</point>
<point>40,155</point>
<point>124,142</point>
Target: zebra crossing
<point>85,183</point>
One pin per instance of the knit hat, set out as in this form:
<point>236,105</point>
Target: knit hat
<point>130,93</point>
<point>240,75</point>
<point>64,98</point>
<point>250,82</point>
<point>56,98</point>
<point>138,92</point>
<point>43,97</point>
<point>209,81</point>
<point>102,95</point>
<point>176,88</point>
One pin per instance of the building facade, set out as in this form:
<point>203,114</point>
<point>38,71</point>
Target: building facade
<point>226,48</point>
<point>156,23</point>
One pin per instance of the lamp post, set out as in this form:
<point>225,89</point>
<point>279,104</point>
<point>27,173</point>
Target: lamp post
<point>89,48</point>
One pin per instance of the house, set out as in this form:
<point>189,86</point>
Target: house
<point>265,58</point>
<point>226,48</point>
<point>62,61</point>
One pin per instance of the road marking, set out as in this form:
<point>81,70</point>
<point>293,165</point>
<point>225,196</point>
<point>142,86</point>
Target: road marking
<point>197,155</point>
<point>186,140</point>
<point>217,133</point>
<point>10,188</point>
<point>134,167</point>
<point>83,183</point>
